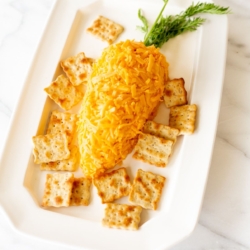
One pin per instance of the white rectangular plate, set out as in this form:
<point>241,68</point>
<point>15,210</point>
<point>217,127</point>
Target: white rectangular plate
<point>198,57</point>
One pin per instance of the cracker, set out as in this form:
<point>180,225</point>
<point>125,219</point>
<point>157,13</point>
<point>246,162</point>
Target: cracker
<point>50,147</point>
<point>105,29</point>
<point>77,68</point>
<point>153,150</point>
<point>80,192</point>
<point>62,92</point>
<point>112,185</point>
<point>175,93</point>
<point>62,122</point>
<point>58,189</point>
<point>146,189</point>
<point>183,118</point>
<point>69,164</point>
<point>161,130</point>
<point>122,216</point>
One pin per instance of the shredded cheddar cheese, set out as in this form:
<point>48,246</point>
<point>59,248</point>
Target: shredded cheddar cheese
<point>125,87</point>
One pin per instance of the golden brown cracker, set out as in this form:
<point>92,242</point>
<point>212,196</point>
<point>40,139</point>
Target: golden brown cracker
<point>50,147</point>
<point>105,29</point>
<point>161,130</point>
<point>57,190</point>
<point>77,68</point>
<point>80,192</point>
<point>69,164</point>
<point>175,93</point>
<point>62,92</point>
<point>112,185</point>
<point>153,150</point>
<point>122,216</point>
<point>146,189</point>
<point>183,118</point>
<point>61,122</point>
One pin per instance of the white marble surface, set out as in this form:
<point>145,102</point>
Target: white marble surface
<point>224,221</point>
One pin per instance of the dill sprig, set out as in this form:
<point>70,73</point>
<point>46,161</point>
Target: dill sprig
<point>165,28</point>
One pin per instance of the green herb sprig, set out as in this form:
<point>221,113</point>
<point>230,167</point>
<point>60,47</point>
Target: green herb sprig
<point>165,28</point>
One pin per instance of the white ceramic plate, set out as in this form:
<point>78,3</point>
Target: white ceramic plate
<point>198,57</point>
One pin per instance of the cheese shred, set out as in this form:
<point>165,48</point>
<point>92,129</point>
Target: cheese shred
<point>125,87</point>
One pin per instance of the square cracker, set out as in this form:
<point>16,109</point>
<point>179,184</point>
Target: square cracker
<point>69,164</point>
<point>77,68</point>
<point>57,190</point>
<point>146,189</point>
<point>153,150</point>
<point>161,130</point>
<point>50,147</point>
<point>80,192</point>
<point>105,29</point>
<point>112,185</point>
<point>122,216</point>
<point>183,118</point>
<point>64,93</point>
<point>175,93</point>
<point>62,122</point>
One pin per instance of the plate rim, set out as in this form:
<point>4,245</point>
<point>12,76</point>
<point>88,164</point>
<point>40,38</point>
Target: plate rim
<point>22,227</point>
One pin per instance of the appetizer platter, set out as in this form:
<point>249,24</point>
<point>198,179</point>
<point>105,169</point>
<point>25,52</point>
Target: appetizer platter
<point>113,133</point>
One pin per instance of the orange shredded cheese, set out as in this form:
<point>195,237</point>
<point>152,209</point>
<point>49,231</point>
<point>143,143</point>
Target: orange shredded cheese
<point>125,87</point>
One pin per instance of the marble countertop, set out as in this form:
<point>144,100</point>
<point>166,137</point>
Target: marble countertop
<point>224,221</point>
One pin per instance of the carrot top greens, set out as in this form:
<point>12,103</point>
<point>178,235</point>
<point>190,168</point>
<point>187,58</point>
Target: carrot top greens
<point>165,28</point>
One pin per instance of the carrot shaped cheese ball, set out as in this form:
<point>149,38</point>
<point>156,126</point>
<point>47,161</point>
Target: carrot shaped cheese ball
<point>125,86</point>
